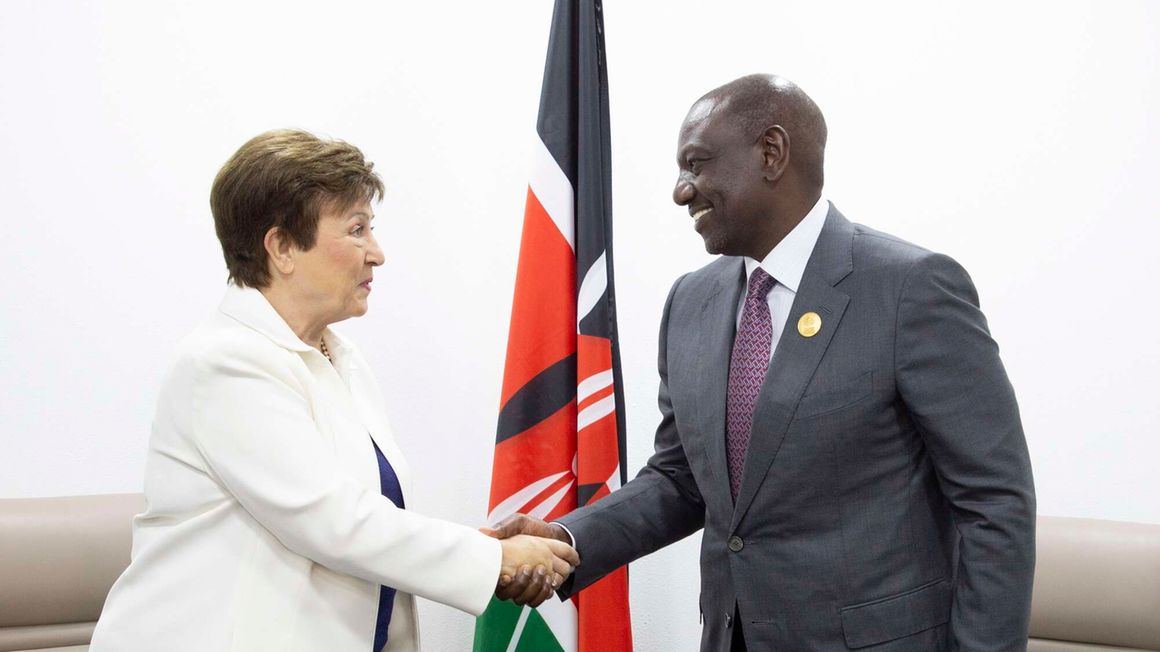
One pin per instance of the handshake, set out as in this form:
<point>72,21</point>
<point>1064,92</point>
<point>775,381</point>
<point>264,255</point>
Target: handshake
<point>537,558</point>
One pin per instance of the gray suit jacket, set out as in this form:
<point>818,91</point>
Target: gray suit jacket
<point>887,499</point>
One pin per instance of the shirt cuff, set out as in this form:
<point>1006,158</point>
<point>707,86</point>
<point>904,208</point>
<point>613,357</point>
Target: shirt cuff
<point>566,531</point>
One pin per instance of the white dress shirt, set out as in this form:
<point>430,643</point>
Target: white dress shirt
<point>786,263</point>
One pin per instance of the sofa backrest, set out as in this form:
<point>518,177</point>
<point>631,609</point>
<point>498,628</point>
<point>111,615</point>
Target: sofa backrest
<point>1097,586</point>
<point>58,558</point>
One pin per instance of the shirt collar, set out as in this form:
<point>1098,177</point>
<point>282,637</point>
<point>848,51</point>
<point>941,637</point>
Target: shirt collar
<point>251,308</point>
<point>787,261</point>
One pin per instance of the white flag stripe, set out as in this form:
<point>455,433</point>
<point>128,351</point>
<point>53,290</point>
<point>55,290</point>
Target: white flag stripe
<point>521,498</point>
<point>546,507</point>
<point>593,384</point>
<point>552,188</point>
<point>519,630</point>
<point>596,412</point>
<point>561,618</point>
<point>591,288</point>
<point>614,479</point>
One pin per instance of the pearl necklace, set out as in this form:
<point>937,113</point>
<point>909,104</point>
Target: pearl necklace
<point>325,351</point>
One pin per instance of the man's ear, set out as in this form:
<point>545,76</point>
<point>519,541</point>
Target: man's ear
<point>279,251</point>
<point>774,152</point>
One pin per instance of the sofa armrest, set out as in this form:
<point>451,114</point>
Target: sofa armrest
<point>58,559</point>
<point>1097,582</point>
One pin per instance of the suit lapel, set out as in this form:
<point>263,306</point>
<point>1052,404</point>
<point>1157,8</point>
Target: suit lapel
<point>367,404</point>
<point>357,395</point>
<point>797,357</point>
<point>717,329</point>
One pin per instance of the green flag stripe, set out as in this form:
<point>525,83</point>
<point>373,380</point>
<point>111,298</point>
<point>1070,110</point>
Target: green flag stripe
<point>494,629</point>
<point>537,636</point>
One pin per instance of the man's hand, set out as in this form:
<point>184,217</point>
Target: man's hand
<point>524,524</point>
<point>525,577</point>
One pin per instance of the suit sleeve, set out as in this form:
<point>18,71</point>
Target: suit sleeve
<point>254,427</point>
<point>953,383</point>
<point>661,505</point>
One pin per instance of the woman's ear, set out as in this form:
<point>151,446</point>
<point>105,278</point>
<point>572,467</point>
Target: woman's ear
<point>278,251</point>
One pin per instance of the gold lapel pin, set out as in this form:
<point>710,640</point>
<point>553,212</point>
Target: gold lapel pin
<point>809,324</point>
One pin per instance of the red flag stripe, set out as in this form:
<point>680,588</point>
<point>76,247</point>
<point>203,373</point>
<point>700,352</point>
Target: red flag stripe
<point>543,308</point>
<point>547,448</point>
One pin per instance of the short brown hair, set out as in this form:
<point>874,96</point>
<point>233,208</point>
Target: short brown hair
<point>283,178</point>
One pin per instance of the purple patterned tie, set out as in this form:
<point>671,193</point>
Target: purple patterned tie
<point>747,369</point>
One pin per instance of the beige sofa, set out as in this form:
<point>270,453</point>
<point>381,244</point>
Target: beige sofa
<point>58,558</point>
<point>1097,586</point>
<point>1097,583</point>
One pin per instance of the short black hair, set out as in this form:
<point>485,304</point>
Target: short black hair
<point>757,102</point>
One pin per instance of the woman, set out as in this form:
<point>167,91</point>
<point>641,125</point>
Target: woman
<point>276,515</point>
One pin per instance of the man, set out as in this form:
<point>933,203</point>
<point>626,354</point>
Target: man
<point>834,413</point>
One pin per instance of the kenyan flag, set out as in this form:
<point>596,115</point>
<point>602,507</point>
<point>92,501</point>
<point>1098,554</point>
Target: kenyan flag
<point>560,438</point>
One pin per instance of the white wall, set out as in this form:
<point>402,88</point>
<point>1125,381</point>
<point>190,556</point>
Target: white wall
<point>1020,138</point>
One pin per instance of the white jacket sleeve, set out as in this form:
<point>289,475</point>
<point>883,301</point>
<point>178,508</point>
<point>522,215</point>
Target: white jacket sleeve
<point>252,423</point>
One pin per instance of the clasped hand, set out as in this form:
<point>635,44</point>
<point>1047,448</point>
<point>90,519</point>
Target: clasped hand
<point>537,559</point>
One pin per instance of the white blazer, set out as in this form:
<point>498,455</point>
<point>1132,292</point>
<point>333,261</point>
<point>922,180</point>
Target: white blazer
<point>265,528</point>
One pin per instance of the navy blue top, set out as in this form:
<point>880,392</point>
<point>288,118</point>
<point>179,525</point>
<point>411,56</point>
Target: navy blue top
<point>389,482</point>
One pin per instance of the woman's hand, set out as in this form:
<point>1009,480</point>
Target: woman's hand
<point>540,564</point>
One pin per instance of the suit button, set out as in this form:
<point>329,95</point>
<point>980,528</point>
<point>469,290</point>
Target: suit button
<point>728,620</point>
<point>736,544</point>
